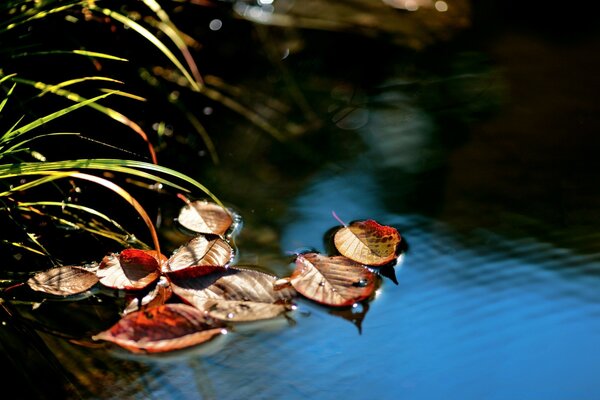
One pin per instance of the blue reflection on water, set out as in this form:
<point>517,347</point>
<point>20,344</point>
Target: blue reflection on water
<point>473,317</point>
<point>511,318</point>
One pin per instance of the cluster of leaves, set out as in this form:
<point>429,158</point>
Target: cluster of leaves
<point>196,293</point>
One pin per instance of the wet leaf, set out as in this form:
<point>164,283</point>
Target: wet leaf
<point>156,297</point>
<point>235,294</point>
<point>333,281</point>
<point>367,242</point>
<point>131,269</point>
<point>206,218</point>
<point>63,281</point>
<point>201,255</point>
<point>164,328</point>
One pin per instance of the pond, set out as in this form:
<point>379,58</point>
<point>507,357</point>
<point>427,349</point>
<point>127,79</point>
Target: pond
<point>474,133</point>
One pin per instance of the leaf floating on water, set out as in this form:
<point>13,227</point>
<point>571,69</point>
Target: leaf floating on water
<point>131,269</point>
<point>206,218</point>
<point>156,297</point>
<point>368,242</point>
<point>333,281</point>
<point>164,328</point>
<point>63,281</point>
<point>199,256</point>
<point>236,295</point>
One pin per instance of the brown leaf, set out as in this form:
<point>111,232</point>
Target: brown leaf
<point>204,217</point>
<point>63,281</point>
<point>164,328</point>
<point>156,297</point>
<point>131,269</point>
<point>333,281</point>
<point>235,294</point>
<point>368,242</point>
<point>199,256</point>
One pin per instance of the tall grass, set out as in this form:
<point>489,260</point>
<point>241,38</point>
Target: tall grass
<point>24,166</point>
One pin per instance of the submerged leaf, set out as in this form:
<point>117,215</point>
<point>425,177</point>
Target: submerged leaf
<point>368,242</point>
<point>63,281</point>
<point>132,269</point>
<point>164,328</point>
<point>235,294</point>
<point>199,256</point>
<point>156,297</point>
<point>333,281</point>
<point>204,217</point>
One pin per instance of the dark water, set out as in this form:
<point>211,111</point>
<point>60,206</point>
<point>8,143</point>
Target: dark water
<point>481,149</point>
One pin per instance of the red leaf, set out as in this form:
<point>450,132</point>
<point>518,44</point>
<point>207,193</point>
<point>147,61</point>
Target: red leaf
<point>63,281</point>
<point>164,328</point>
<point>132,269</point>
<point>368,242</point>
<point>199,256</point>
<point>235,294</point>
<point>204,217</point>
<point>333,281</point>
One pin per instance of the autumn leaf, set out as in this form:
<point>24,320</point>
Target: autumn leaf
<point>204,217</point>
<point>367,242</point>
<point>63,281</point>
<point>131,269</point>
<point>333,281</point>
<point>156,297</point>
<point>201,255</point>
<point>160,329</point>
<point>235,294</point>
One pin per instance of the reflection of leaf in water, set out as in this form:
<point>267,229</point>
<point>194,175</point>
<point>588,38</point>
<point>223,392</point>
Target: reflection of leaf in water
<point>355,314</point>
<point>389,272</point>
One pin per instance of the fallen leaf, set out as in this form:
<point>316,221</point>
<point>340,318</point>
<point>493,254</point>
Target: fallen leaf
<point>164,328</point>
<point>333,281</point>
<point>131,269</point>
<point>156,297</point>
<point>235,294</point>
<point>201,255</point>
<point>367,242</point>
<point>204,217</point>
<point>63,281</point>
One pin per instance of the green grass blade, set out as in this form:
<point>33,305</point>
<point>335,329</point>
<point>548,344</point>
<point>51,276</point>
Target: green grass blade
<point>117,116</point>
<point>6,77</point>
<point>40,121</point>
<point>17,146</point>
<point>7,96</point>
<point>36,182</point>
<point>22,246</point>
<point>151,38</point>
<point>54,88</point>
<point>34,14</point>
<point>86,53</point>
<point>131,167</point>
<point>90,225</point>
<point>96,54</point>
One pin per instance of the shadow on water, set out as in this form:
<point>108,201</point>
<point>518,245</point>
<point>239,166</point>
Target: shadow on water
<point>478,145</point>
